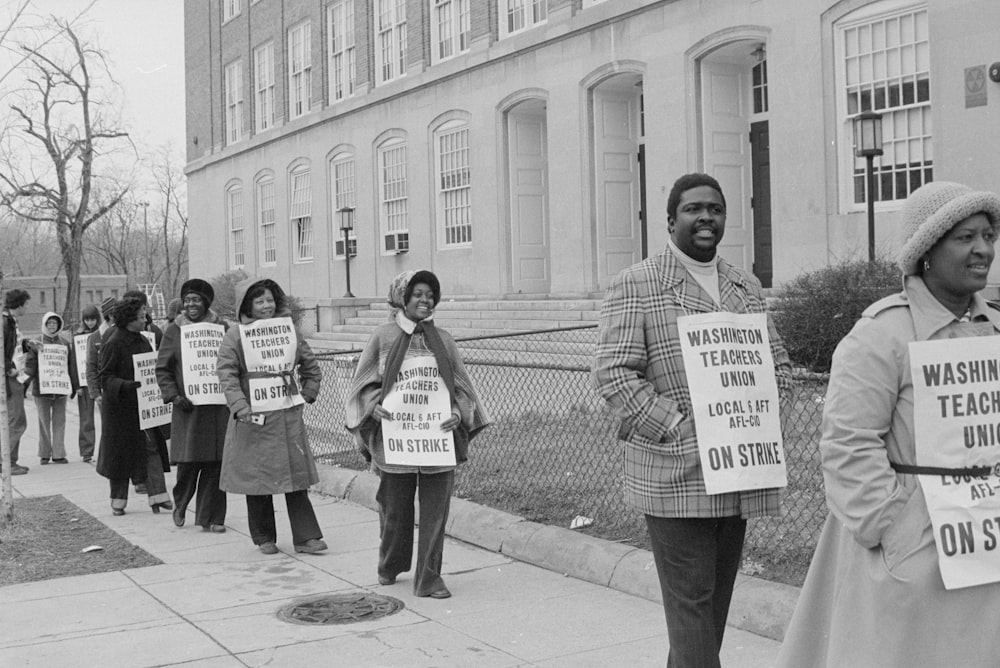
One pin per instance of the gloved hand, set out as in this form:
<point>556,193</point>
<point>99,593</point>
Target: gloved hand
<point>182,403</point>
<point>134,385</point>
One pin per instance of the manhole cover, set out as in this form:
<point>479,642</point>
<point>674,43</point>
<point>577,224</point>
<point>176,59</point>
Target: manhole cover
<point>340,608</point>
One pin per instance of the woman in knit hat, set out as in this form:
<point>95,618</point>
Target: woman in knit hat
<point>879,591</point>
<point>198,432</point>
<point>406,364</point>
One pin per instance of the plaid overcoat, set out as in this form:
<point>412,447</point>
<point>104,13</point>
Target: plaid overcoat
<point>639,370</point>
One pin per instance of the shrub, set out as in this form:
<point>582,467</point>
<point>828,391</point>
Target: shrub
<point>225,297</point>
<point>817,309</point>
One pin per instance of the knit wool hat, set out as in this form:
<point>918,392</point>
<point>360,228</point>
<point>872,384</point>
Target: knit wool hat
<point>108,306</point>
<point>932,210</point>
<point>173,307</point>
<point>199,287</point>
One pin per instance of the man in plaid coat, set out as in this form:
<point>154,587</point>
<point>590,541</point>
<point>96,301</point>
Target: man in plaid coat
<point>697,538</point>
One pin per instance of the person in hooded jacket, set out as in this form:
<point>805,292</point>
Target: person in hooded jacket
<point>411,333</point>
<point>198,433</point>
<point>51,408</point>
<point>90,321</point>
<point>126,450</point>
<point>267,452</point>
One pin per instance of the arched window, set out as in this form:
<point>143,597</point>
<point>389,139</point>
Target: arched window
<point>301,213</point>
<point>394,217</point>
<point>234,221</point>
<point>452,183</point>
<point>266,223</point>
<point>342,187</point>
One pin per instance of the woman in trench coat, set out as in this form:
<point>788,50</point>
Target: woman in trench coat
<point>267,452</point>
<point>874,595</point>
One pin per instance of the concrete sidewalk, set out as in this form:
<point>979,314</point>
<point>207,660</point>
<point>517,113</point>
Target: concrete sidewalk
<point>213,601</point>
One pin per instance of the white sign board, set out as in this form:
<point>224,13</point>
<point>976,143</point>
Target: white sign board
<point>956,424</point>
<point>200,344</point>
<point>734,394</point>
<point>53,369</point>
<point>269,347</point>
<point>152,411</point>
<point>419,402</point>
<point>80,347</point>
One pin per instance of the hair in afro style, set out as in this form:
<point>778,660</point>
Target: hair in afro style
<point>15,298</point>
<point>687,182</point>
<point>128,307</point>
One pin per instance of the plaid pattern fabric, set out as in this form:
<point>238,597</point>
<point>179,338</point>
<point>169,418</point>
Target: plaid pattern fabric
<point>639,370</point>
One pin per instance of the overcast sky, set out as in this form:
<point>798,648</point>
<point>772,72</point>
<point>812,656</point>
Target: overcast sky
<point>144,42</point>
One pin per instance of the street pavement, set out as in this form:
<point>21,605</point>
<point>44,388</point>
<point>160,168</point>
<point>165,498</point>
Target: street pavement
<point>523,594</point>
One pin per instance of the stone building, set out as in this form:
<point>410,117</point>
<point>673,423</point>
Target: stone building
<point>526,147</point>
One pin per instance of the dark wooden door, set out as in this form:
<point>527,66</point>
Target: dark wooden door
<point>760,171</point>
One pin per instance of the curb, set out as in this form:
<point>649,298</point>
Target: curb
<point>758,606</point>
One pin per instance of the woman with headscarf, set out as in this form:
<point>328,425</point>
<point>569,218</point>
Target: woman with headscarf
<point>198,432</point>
<point>411,335</point>
<point>51,407</point>
<point>267,449</point>
<point>126,450</point>
<point>876,590</point>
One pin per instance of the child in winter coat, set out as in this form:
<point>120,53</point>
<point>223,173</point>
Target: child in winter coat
<point>50,399</point>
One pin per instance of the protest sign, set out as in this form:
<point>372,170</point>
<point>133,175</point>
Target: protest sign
<point>152,411</point>
<point>269,348</point>
<point>956,424</point>
<point>200,344</point>
<point>80,346</point>
<point>53,369</point>
<point>419,402</point>
<point>734,395</point>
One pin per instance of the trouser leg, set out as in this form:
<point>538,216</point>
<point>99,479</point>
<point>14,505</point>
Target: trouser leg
<point>43,407</point>
<point>156,484</point>
<point>302,517</point>
<point>58,418</point>
<point>185,484</point>
<point>260,518</point>
<point>119,493</point>
<point>88,431</point>
<point>211,506</point>
<point>395,505</point>
<point>696,560</point>
<point>435,501</point>
<point>17,420</point>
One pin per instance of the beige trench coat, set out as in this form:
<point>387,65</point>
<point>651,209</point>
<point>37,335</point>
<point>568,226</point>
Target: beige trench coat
<point>874,595</point>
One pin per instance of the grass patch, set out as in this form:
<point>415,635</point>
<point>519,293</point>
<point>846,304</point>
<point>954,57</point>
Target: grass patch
<point>45,539</point>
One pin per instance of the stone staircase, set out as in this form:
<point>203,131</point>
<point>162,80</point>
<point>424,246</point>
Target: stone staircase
<point>505,330</point>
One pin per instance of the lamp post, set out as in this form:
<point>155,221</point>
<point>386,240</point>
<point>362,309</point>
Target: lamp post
<point>346,215</point>
<point>868,144</point>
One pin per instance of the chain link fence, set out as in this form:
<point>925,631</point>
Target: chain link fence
<point>552,453</point>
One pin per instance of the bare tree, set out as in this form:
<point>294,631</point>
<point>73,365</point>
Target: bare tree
<point>61,121</point>
<point>170,182</point>
<point>27,248</point>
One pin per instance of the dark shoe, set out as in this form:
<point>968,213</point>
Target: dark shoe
<point>60,460</point>
<point>117,511</point>
<point>45,461</point>
<point>215,528</point>
<point>311,546</point>
<point>268,548</point>
<point>387,580</point>
<point>140,488</point>
<point>17,469</point>
<point>166,505</point>
<point>87,460</point>
<point>440,593</point>
<point>178,517</point>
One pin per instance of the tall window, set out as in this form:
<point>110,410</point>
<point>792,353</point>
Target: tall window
<point>230,9</point>
<point>518,15</point>
<point>342,176</point>
<point>452,28</point>
<point>234,102</point>
<point>301,214</point>
<point>390,39</point>
<point>299,70</point>
<point>234,214</point>
<point>759,85</point>
<point>340,31</point>
<point>263,86</point>
<point>266,221</point>
<point>393,212</point>
<point>884,66</point>
<point>453,179</point>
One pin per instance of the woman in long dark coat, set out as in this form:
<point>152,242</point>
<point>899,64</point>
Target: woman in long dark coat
<point>198,433</point>
<point>124,453</point>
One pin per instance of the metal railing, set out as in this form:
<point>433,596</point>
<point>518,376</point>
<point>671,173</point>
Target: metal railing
<point>552,452</point>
